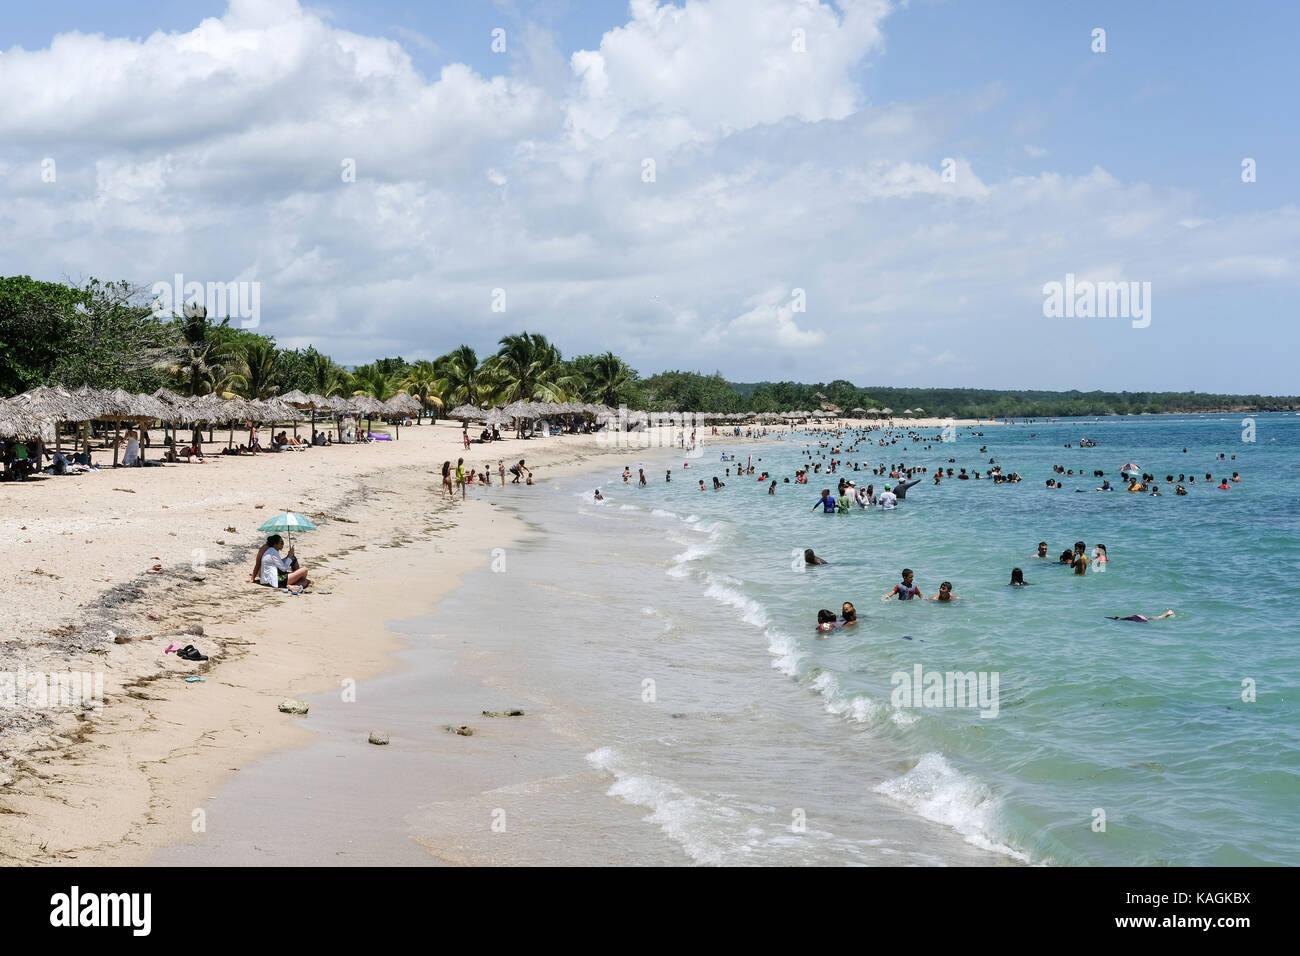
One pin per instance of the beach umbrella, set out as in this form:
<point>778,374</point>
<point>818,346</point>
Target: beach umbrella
<point>289,522</point>
<point>17,422</point>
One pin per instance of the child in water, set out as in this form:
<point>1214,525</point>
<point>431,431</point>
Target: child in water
<point>907,590</point>
<point>945,593</point>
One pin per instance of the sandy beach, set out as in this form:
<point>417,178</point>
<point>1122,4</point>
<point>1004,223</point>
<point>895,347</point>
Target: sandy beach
<point>110,787</point>
<point>113,786</point>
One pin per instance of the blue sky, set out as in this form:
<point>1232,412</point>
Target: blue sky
<point>209,150</point>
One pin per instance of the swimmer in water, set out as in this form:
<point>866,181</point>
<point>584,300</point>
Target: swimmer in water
<point>669,475</point>
<point>825,620</point>
<point>811,559</point>
<point>1018,579</point>
<point>599,496</point>
<point>772,489</point>
<point>1042,550</point>
<point>849,613</point>
<point>702,488</point>
<point>905,591</point>
<point>718,484</point>
<point>1142,618</point>
<point>826,502</point>
<point>1080,563</point>
<point>945,593</point>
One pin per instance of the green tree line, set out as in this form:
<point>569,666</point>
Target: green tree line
<point>107,335</point>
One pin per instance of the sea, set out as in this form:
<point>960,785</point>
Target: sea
<point>673,632</point>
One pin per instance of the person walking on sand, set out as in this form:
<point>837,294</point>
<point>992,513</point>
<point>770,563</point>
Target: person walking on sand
<point>447,490</point>
<point>460,477</point>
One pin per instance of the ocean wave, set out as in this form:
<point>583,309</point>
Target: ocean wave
<point>721,588</point>
<point>858,708</point>
<point>697,825</point>
<point>934,789</point>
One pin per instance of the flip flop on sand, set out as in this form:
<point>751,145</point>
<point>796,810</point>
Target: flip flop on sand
<point>190,653</point>
<point>171,648</point>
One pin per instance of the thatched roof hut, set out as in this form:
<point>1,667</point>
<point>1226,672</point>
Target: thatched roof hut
<point>17,422</point>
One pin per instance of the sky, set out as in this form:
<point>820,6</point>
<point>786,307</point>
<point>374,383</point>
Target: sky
<point>775,189</point>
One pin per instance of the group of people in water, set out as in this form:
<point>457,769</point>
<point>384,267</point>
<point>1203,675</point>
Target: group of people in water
<point>906,590</point>
<point>463,479</point>
<point>1076,558</point>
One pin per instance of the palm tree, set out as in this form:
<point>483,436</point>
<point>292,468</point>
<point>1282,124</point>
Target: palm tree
<point>254,373</point>
<point>460,379</point>
<point>369,380</point>
<point>421,382</point>
<point>607,378</point>
<point>528,368</point>
<point>327,379</point>
<point>202,368</point>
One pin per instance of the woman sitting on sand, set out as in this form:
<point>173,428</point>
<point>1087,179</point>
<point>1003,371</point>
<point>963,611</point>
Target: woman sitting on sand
<point>276,571</point>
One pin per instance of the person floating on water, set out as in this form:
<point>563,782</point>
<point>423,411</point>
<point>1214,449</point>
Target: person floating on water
<point>1142,618</point>
<point>811,559</point>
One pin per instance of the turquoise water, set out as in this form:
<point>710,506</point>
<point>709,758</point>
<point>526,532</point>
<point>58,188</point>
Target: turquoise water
<point>1145,721</point>
<point>761,742</point>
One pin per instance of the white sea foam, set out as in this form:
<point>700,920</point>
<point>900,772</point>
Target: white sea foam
<point>697,825</point>
<point>938,792</point>
<point>858,708</point>
<point>722,588</point>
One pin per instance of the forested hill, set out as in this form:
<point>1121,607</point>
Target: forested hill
<point>692,391</point>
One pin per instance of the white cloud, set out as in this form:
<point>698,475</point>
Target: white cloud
<point>217,153</point>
